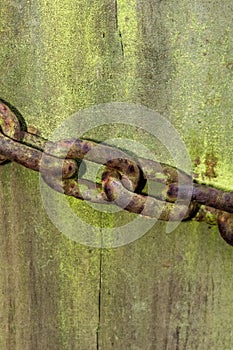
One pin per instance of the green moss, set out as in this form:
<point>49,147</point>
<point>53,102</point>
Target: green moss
<point>201,101</point>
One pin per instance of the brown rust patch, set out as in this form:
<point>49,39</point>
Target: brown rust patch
<point>211,164</point>
<point>225,225</point>
<point>196,163</point>
<point>137,207</point>
<point>105,176</point>
<point>229,65</point>
<point>108,191</point>
<point>9,123</point>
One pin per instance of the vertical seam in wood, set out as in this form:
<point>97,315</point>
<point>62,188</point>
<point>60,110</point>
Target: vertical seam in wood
<point>99,302</point>
<point>117,28</point>
<point>116,14</point>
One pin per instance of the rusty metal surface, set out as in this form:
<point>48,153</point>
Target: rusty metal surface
<point>122,182</point>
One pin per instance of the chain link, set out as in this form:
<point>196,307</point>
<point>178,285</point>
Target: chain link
<point>122,182</point>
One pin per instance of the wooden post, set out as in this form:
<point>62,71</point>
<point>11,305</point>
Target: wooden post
<point>163,291</point>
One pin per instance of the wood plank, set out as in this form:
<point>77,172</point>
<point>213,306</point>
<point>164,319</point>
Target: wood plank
<point>49,284</point>
<point>168,291</point>
<point>173,291</point>
<point>161,291</point>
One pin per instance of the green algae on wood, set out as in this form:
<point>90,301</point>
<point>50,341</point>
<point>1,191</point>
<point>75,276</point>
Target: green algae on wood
<point>172,290</point>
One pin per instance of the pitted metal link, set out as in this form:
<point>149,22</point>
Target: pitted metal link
<point>140,204</point>
<point>10,126</point>
<point>31,158</point>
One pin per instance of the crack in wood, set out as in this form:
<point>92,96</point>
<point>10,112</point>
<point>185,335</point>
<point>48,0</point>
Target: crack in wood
<point>117,28</point>
<point>99,302</point>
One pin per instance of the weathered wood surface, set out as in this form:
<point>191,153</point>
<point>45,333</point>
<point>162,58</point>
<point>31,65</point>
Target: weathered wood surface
<point>163,291</point>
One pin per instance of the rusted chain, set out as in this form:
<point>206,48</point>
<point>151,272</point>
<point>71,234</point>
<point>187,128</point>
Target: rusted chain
<point>10,126</point>
<point>202,194</point>
<point>141,204</point>
<point>123,180</point>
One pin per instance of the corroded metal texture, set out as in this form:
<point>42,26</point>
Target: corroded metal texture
<point>225,225</point>
<point>122,183</point>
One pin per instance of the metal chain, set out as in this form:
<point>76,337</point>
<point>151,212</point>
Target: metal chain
<point>122,182</point>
